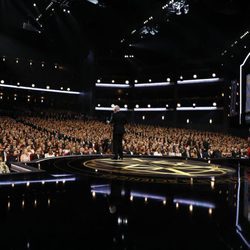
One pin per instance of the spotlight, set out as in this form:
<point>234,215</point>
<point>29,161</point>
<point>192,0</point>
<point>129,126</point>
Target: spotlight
<point>2,81</point>
<point>214,104</point>
<point>34,4</point>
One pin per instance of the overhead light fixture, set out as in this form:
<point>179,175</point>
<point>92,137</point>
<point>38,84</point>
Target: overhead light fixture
<point>177,7</point>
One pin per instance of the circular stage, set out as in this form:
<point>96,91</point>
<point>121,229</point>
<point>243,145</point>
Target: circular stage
<point>158,167</point>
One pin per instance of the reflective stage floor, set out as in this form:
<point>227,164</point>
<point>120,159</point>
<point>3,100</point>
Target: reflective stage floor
<point>137,203</point>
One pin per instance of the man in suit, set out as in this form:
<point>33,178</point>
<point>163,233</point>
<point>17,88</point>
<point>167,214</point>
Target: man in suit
<point>118,120</point>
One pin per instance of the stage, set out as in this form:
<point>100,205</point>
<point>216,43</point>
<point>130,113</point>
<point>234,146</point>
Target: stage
<point>134,203</point>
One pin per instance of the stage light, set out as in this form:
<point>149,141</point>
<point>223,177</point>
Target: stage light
<point>150,80</point>
<point>210,121</point>
<point>187,121</point>
<point>163,117</point>
<point>136,81</point>
<point>168,79</point>
<point>214,104</point>
<point>178,104</point>
<point>191,208</point>
<point>125,106</point>
<point>68,11</point>
<point>113,81</point>
<point>127,81</point>
<point>33,85</point>
<point>30,63</point>
<point>42,64</point>
<point>111,85</point>
<point>209,80</point>
<point>98,105</point>
<point>247,32</point>
<point>4,59</point>
<point>154,84</point>
<point>194,104</point>
<point>18,84</point>
<point>143,117</point>
<point>34,4</point>
<point>17,60</point>
<point>137,106</point>
<point>149,109</point>
<point>197,108</point>
<point>181,77</point>
<point>2,81</point>
<point>210,211</point>
<point>61,88</point>
<point>222,94</point>
<point>93,1</point>
<point>195,76</point>
<point>56,66</point>
<point>47,87</point>
<point>149,106</point>
<point>213,75</point>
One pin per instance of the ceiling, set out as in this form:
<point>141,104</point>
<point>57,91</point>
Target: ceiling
<point>102,34</point>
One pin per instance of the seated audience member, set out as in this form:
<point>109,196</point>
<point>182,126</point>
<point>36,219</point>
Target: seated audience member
<point>248,151</point>
<point>4,169</point>
<point>37,155</point>
<point>50,153</point>
<point>25,156</point>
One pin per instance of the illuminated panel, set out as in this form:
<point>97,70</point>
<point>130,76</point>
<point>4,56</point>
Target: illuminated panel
<point>155,84</point>
<point>111,85</point>
<point>40,89</point>
<point>194,203</point>
<point>208,80</point>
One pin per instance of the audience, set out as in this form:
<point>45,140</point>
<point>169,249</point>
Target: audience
<point>29,138</point>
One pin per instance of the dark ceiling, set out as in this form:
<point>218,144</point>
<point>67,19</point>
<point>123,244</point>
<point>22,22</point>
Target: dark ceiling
<point>103,33</point>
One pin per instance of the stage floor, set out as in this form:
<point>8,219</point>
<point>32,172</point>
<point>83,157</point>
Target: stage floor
<point>94,202</point>
<point>158,167</point>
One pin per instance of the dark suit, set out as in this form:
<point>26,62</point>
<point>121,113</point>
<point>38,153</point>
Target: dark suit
<point>118,120</point>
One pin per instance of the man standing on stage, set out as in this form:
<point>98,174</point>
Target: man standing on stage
<point>118,120</point>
